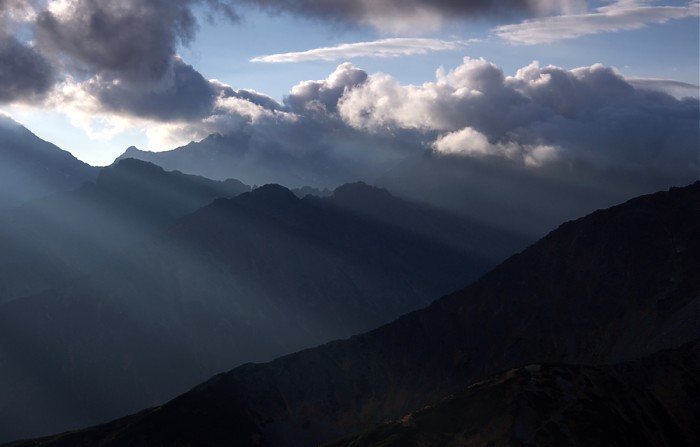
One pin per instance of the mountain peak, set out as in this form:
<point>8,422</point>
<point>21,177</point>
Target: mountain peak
<point>134,163</point>
<point>359,190</point>
<point>132,150</point>
<point>271,194</point>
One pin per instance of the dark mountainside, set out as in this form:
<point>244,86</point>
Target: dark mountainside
<point>32,168</point>
<point>654,401</point>
<point>242,279</point>
<point>615,286</point>
<point>50,241</point>
<point>506,195</point>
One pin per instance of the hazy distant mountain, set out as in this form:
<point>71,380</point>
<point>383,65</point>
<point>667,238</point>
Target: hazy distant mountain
<point>444,227</point>
<point>68,234</point>
<point>31,168</point>
<point>240,156</point>
<point>308,190</point>
<point>527,199</point>
<point>242,279</point>
<point>614,286</point>
<point>499,193</point>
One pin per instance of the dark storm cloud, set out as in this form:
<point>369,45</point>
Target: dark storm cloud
<point>24,73</point>
<point>133,39</point>
<point>360,9</point>
<point>182,94</point>
<point>123,54</point>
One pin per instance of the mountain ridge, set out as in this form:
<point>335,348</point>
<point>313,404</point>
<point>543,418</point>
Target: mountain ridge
<point>51,240</point>
<point>620,284</point>
<point>32,168</point>
<point>244,278</point>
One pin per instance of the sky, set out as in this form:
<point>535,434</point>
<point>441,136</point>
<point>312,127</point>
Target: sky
<point>97,76</point>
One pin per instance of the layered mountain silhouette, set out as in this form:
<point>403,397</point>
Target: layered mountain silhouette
<point>616,286</point>
<point>32,168</point>
<point>504,194</point>
<point>501,193</point>
<point>66,235</point>
<point>242,279</point>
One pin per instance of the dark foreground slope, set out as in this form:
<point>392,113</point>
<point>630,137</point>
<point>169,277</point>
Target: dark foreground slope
<point>31,167</point>
<point>654,401</point>
<point>243,279</point>
<point>50,241</point>
<point>614,286</point>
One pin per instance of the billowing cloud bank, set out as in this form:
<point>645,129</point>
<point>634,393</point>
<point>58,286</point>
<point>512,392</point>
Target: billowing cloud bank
<point>539,115</point>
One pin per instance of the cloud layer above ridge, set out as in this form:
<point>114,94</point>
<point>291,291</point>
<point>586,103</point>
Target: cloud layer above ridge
<point>90,59</point>
<point>540,116</point>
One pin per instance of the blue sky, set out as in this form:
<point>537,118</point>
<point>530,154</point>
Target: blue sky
<point>662,42</point>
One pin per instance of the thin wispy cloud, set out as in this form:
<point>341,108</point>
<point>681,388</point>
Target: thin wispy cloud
<point>393,47</point>
<point>622,15</point>
<point>674,88</point>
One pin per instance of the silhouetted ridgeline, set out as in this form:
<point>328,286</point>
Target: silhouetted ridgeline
<point>242,279</point>
<point>31,168</point>
<point>618,285</point>
<point>49,241</point>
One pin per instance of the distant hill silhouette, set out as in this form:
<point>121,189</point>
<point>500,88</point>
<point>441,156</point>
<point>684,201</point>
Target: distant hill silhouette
<point>242,279</point>
<point>49,241</point>
<point>618,285</point>
<point>31,168</point>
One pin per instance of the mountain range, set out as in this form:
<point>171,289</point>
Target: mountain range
<point>496,191</point>
<point>241,279</point>
<point>68,234</point>
<point>565,342</point>
<point>32,168</point>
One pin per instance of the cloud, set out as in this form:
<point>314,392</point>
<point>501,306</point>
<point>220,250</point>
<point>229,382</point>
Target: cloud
<point>25,75</point>
<point>539,116</point>
<point>412,15</point>
<point>472,143</point>
<point>383,48</point>
<point>133,40</point>
<point>676,89</point>
<point>14,11</point>
<point>621,15</point>
<point>321,97</point>
<point>182,94</point>
<point>120,54</point>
